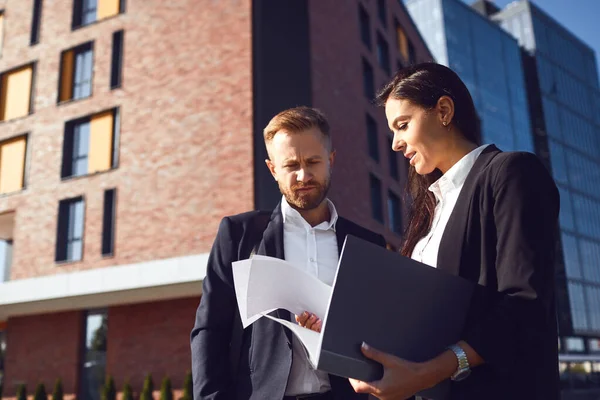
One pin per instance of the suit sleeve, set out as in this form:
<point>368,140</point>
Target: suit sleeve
<point>525,213</point>
<point>211,336</point>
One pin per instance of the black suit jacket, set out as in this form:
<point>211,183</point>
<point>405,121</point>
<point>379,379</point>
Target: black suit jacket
<point>266,351</point>
<point>502,234</point>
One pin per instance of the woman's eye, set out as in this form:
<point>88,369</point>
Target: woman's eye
<point>403,127</point>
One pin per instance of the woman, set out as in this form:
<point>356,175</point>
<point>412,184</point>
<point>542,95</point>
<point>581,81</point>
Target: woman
<point>488,216</point>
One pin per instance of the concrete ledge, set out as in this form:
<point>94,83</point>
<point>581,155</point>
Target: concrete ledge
<point>102,287</point>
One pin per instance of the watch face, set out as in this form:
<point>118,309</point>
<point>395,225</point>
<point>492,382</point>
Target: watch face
<point>462,374</point>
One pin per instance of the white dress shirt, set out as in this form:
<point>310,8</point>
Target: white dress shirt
<point>446,191</point>
<point>315,250</point>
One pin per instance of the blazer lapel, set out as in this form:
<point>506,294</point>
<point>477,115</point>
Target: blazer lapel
<point>340,233</point>
<point>451,246</point>
<point>272,246</point>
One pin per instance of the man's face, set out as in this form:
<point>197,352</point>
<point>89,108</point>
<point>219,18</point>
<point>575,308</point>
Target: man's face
<point>301,164</point>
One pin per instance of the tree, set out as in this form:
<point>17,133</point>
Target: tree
<point>99,338</point>
<point>57,394</point>
<point>166,391</point>
<point>187,387</point>
<point>21,392</point>
<point>148,388</point>
<point>109,392</point>
<point>40,392</point>
<point>127,392</point>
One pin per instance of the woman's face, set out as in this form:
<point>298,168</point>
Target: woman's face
<point>419,134</point>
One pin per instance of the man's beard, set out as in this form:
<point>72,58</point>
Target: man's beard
<point>308,200</point>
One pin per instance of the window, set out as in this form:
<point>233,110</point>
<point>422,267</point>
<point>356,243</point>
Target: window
<point>368,80</point>
<point>365,26</point>
<point>383,54</point>
<point>93,362</point>
<point>90,144</point>
<point>117,60</point>
<point>393,160</point>
<point>402,42</point>
<point>69,237</point>
<point>108,222</point>
<point>76,69</point>
<point>15,95</point>
<point>372,138</point>
<point>5,259</point>
<point>382,12</point>
<point>376,201</point>
<point>13,153</point>
<point>412,55</point>
<point>86,12</point>
<point>394,213</point>
<point>36,20</point>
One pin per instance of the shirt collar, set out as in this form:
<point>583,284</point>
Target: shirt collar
<point>456,176</point>
<point>292,216</point>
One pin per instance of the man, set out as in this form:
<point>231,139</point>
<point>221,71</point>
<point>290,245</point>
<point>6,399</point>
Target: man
<point>305,230</point>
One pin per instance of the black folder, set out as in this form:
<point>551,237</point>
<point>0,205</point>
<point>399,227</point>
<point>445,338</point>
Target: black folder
<point>394,304</point>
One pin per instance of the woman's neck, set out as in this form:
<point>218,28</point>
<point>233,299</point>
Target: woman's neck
<point>454,152</point>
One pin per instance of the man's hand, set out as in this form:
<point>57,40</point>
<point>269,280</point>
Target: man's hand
<point>310,321</point>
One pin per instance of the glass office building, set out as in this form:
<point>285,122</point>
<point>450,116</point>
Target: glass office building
<point>487,59</point>
<point>570,100</point>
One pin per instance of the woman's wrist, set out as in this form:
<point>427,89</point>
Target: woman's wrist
<point>438,369</point>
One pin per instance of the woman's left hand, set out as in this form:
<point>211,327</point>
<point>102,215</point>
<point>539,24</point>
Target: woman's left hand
<point>401,379</point>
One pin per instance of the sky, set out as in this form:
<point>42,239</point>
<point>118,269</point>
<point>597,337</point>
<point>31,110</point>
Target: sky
<point>581,17</point>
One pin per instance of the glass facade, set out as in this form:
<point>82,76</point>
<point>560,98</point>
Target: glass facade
<point>566,70</point>
<point>487,59</point>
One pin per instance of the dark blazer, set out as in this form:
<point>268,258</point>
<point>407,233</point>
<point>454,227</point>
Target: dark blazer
<point>502,234</point>
<point>266,351</point>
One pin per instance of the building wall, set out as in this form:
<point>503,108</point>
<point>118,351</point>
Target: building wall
<point>187,89</point>
<point>337,87</point>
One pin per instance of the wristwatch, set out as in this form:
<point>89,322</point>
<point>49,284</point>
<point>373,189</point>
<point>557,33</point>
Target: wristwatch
<point>463,370</point>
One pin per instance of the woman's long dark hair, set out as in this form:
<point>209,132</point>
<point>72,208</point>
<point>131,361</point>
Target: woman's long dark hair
<point>423,85</point>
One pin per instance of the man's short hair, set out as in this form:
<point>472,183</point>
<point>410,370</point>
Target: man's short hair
<point>296,120</point>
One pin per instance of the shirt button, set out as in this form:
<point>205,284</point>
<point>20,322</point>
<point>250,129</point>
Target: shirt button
<point>312,260</point>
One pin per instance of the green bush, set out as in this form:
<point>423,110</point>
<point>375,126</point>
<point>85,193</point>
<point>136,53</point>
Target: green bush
<point>57,394</point>
<point>187,387</point>
<point>21,392</point>
<point>40,392</point>
<point>109,391</point>
<point>127,392</point>
<point>166,391</point>
<point>148,388</point>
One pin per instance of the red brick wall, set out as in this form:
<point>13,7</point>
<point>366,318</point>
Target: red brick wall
<point>150,338</point>
<point>337,51</point>
<point>42,348</point>
<point>186,92</point>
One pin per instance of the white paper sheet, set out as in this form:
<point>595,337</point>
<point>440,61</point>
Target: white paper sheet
<point>241,276</point>
<point>275,283</point>
<point>310,339</point>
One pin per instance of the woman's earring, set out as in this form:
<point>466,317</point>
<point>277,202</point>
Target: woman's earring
<point>445,123</point>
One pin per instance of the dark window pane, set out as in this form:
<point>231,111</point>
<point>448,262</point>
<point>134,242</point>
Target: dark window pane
<point>372,138</point>
<point>82,77</point>
<point>368,80</point>
<point>383,54</point>
<point>94,356</point>
<point>394,213</point>
<point>88,11</point>
<point>69,238</point>
<point>117,60</point>
<point>393,160</point>
<point>376,200</point>
<point>36,21</point>
<point>382,12</point>
<point>108,222</point>
<point>365,26</point>
<point>81,137</point>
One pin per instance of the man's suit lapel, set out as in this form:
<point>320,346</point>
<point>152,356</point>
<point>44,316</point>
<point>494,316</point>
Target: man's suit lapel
<point>272,246</point>
<point>341,230</point>
<point>450,250</point>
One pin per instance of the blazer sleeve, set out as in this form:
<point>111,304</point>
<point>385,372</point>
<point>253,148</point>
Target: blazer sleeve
<point>525,214</point>
<point>211,336</point>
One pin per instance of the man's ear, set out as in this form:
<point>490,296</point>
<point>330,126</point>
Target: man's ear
<point>271,167</point>
<point>332,158</point>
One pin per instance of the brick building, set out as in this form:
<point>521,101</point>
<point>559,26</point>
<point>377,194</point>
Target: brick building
<point>129,128</point>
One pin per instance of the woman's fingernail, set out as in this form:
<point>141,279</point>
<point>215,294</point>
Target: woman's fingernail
<point>365,346</point>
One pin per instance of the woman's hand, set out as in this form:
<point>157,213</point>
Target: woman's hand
<point>401,379</point>
<point>310,321</point>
